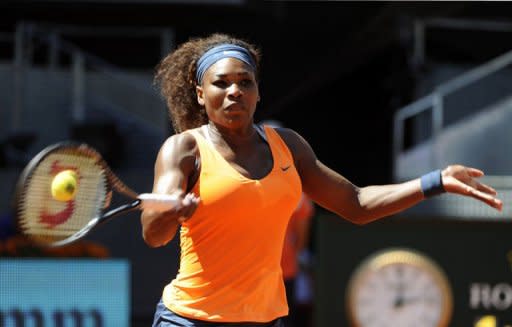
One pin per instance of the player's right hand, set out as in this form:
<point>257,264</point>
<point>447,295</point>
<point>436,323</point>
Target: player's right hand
<point>188,206</point>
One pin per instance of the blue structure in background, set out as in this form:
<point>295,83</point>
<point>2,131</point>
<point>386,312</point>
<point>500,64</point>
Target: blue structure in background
<point>64,293</point>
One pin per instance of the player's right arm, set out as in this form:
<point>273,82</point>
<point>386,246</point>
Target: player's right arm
<point>175,166</point>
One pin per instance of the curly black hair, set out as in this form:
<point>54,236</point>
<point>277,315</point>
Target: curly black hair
<point>176,77</point>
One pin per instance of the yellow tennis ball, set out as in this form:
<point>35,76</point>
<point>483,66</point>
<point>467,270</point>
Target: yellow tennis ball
<point>64,185</point>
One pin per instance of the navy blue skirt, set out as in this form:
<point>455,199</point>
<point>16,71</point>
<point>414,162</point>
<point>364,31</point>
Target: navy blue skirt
<point>166,318</point>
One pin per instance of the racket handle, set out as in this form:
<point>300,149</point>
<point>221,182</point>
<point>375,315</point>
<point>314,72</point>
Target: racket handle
<point>158,202</point>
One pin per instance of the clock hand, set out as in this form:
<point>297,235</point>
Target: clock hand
<point>399,300</point>
<point>411,300</point>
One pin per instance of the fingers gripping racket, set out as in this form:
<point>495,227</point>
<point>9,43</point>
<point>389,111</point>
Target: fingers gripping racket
<point>48,221</point>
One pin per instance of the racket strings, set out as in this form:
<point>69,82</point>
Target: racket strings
<point>47,220</point>
<point>113,180</point>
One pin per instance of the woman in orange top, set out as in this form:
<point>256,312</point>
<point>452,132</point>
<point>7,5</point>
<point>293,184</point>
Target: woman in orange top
<point>239,185</point>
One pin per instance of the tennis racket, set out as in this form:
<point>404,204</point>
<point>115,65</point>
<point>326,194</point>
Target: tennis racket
<point>48,221</point>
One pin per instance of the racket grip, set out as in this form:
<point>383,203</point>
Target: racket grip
<point>158,202</point>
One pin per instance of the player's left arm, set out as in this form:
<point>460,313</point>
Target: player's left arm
<point>365,204</point>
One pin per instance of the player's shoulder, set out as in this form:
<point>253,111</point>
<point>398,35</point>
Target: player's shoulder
<point>298,146</point>
<point>292,138</point>
<point>179,145</point>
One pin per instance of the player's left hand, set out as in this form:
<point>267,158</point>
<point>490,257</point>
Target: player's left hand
<point>459,179</point>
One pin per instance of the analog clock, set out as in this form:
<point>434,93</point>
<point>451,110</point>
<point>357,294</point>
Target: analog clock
<point>399,288</point>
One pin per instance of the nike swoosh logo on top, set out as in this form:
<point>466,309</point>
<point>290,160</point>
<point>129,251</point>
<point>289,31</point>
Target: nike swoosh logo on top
<point>285,168</point>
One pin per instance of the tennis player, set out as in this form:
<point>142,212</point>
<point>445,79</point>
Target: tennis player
<point>239,185</point>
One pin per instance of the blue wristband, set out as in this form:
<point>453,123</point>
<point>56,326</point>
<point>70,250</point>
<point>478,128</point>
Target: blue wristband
<point>432,184</point>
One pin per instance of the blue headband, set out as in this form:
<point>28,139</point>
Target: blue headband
<point>219,52</point>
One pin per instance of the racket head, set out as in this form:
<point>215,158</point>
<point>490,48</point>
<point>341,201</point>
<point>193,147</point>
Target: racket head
<point>47,221</point>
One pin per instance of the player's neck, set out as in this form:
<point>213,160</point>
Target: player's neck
<point>232,137</point>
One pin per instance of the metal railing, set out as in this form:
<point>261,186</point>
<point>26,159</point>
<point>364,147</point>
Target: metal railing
<point>434,104</point>
<point>136,100</point>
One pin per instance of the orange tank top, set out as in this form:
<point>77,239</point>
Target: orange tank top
<point>231,247</point>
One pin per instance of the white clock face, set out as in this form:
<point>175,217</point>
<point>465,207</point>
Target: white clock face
<point>399,289</point>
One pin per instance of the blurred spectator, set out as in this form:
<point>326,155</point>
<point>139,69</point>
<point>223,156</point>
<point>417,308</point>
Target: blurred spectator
<point>295,263</point>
